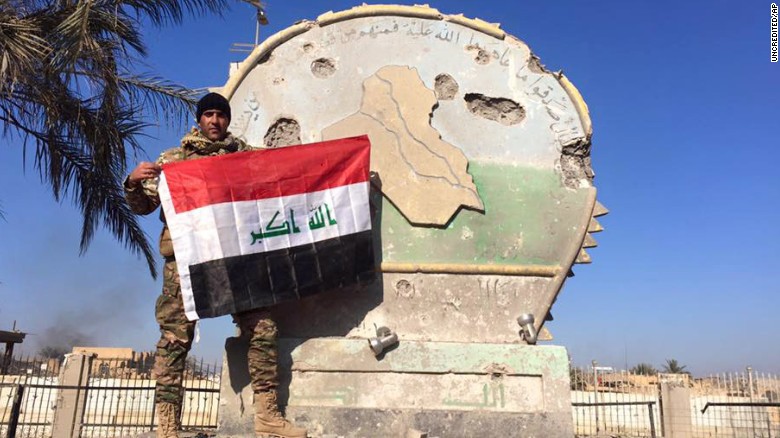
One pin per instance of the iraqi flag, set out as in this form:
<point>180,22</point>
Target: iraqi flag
<point>252,229</point>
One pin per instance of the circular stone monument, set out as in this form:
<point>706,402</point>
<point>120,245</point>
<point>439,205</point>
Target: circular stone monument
<point>483,196</point>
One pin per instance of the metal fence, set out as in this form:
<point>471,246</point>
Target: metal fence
<point>606,403</point>
<point>736,405</point>
<point>27,397</point>
<point>117,399</point>
<point>622,404</point>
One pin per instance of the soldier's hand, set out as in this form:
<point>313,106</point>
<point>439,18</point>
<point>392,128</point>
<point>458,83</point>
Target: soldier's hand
<point>144,170</point>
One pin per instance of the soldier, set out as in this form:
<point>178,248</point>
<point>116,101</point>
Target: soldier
<point>209,139</point>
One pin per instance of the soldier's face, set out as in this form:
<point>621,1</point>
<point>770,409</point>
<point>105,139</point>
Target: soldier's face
<point>214,124</point>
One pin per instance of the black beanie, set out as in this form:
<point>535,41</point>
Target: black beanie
<point>212,101</point>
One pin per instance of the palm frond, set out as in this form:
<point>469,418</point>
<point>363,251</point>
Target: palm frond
<point>167,100</point>
<point>72,34</point>
<point>101,200</point>
<point>166,12</point>
<point>21,47</point>
<point>68,90</point>
<point>100,196</point>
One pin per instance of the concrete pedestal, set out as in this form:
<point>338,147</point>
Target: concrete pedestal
<point>676,405</point>
<point>336,387</point>
<point>72,400</point>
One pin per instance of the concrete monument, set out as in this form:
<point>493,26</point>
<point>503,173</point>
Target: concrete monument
<point>484,199</point>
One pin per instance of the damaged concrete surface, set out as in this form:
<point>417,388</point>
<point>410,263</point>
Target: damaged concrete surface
<point>424,176</point>
<point>446,87</point>
<point>323,85</point>
<point>337,386</point>
<point>323,67</point>
<point>498,109</point>
<point>481,56</point>
<point>423,307</point>
<point>285,131</point>
<point>576,165</point>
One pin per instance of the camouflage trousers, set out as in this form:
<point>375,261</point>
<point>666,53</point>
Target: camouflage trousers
<point>176,335</point>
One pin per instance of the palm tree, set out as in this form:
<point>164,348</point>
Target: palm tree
<point>674,367</point>
<point>644,369</point>
<point>70,94</point>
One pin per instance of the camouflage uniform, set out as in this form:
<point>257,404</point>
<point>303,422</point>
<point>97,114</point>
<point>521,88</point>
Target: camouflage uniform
<point>176,332</point>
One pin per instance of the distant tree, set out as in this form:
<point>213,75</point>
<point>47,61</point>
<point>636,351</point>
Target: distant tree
<point>673,367</point>
<point>644,369</point>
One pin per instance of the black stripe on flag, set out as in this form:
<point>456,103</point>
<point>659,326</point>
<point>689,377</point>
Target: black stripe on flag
<point>264,279</point>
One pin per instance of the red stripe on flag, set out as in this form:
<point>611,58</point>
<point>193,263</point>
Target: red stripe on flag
<point>268,173</point>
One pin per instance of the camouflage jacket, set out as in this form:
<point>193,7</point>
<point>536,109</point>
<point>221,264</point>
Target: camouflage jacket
<point>144,199</point>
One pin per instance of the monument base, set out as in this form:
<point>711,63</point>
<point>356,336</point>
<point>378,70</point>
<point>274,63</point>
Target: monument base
<point>336,387</point>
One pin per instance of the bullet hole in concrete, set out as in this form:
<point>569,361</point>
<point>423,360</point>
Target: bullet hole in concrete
<point>266,59</point>
<point>445,87</point>
<point>481,56</point>
<point>498,109</point>
<point>404,288</point>
<point>308,47</point>
<point>576,164</point>
<point>283,132</point>
<point>535,64</point>
<point>323,67</point>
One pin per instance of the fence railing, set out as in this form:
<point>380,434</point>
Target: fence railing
<point>745,404</point>
<point>627,419</point>
<point>117,399</point>
<point>619,403</point>
<point>27,397</point>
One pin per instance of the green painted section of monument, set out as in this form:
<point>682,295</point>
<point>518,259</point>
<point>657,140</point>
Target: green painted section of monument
<point>529,219</point>
<point>351,355</point>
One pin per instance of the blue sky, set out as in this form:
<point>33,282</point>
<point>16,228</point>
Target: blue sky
<point>684,102</point>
